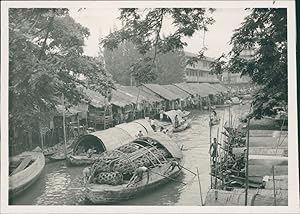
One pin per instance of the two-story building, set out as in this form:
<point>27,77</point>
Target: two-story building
<point>199,72</point>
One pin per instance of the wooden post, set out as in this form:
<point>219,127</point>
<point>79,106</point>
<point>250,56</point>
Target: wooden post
<point>210,152</point>
<point>64,125</point>
<point>274,188</point>
<point>247,163</point>
<point>199,186</point>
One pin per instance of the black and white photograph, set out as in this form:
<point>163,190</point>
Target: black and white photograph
<point>179,107</point>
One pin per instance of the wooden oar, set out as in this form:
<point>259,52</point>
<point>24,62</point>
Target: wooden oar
<point>187,170</point>
<point>168,177</point>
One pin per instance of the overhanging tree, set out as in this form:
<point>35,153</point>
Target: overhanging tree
<point>45,60</point>
<point>265,31</point>
<point>143,27</point>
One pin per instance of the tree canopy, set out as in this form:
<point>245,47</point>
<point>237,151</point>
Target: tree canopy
<point>45,60</point>
<point>143,28</point>
<point>264,31</point>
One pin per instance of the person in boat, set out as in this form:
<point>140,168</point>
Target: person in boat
<point>172,166</point>
<point>161,115</point>
<point>214,152</point>
<point>90,152</point>
<point>176,121</point>
<point>138,175</point>
<point>86,174</point>
<point>140,134</point>
<point>152,123</point>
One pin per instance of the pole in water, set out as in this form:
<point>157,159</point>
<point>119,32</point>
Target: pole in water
<point>199,187</point>
<point>168,177</point>
<point>274,188</point>
<point>247,162</point>
<point>64,125</point>
<point>210,155</point>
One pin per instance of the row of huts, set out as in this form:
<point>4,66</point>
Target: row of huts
<point>127,103</point>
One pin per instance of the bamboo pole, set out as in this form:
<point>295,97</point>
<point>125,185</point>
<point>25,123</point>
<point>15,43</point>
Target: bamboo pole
<point>274,188</point>
<point>247,163</point>
<point>64,125</point>
<point>199,186</point>
<point>210,152</point>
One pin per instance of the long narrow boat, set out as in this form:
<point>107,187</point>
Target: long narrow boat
<point>25,169</point>
<point>111,173</point>
<point>169,121</point>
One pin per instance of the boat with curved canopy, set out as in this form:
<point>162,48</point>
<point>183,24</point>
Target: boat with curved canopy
<point>109,181</point>
<point>24,170</point>
<point>169,121</point>
<point>99,142</point>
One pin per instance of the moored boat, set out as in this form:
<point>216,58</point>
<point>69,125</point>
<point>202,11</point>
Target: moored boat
<point>99,142</point>
<point>186,124</point>
<point>25,169</point>
<point>214,121</point>
<point>112,172</point>
<point>169,121</point>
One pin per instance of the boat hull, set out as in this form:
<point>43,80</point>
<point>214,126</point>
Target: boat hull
<point>106,194</point>
<point>77,160</point>
<point>25,178</point>
<point>183,127</point>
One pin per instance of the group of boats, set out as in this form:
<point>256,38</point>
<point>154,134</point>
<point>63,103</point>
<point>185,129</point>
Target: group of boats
<point>122,149</point>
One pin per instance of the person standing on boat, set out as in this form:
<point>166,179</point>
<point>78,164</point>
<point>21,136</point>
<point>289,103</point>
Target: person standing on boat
<point>176,121</point>
<point>214,152</point>
<point>172,166</point>
<point>140,134</point>
<point>161,115</point>
<point>152,123</point>
<point>138,175</point>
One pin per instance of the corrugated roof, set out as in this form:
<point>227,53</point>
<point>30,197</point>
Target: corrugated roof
<point>181,93</point>
<point>203,88</point>
<point>185,87</point>
<point>143,95</point>
<point>121,99</point>
<point>161,91</point>
<point>97,100</point>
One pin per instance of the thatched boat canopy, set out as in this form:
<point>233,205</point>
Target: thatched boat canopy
<point>164,140</point>
<point>172,114</point>
<point>132,128</point>
<point>108,139</point>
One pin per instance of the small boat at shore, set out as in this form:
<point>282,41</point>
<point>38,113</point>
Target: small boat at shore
<point>24,170</point>
<point>183,126</point>
<point>110,178</point>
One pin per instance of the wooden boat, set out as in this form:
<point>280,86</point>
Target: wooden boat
<point>183,113</point>
<point>25,169</point>
<point>160,152</point>
<point>100,141</point>
<point>169,121</point>
<point>186,124</point>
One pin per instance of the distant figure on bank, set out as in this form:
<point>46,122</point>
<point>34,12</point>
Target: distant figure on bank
<point>138,175</point>
<point>214,152</point>
<point>176,121</point>
<point>152,123</point>
<point>140,134</point>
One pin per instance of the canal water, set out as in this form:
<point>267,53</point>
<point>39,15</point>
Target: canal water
<point>61,185</point>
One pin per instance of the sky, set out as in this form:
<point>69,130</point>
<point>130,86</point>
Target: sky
<point>100,20</point>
